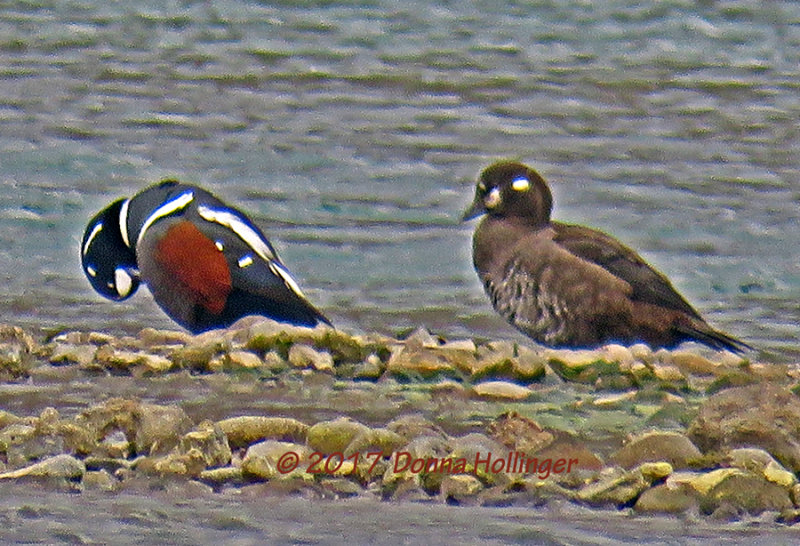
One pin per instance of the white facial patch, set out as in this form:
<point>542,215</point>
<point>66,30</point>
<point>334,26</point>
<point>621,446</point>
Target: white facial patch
<point>492,198</point>
<point>98,227</point>
<point>122,282</point>
<point>91,271</point>
<point>123,222</point>
<point>521,184</point>
<point>245,260</point>
<point>219,245</point>
<point>173,205</point>
<point>481,186</point>
<point>239,227</point>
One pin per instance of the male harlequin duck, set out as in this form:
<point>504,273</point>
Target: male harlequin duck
<point>205,262</point>
<point>571,286</point>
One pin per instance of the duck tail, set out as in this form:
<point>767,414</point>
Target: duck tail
<point>703,333</point>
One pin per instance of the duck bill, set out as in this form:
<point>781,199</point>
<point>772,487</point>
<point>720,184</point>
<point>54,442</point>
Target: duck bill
<point>477,208</point>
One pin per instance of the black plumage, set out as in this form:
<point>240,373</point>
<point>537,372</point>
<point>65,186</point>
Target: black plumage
<point>206,263</point>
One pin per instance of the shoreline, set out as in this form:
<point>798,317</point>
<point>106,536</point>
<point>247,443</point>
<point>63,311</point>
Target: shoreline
<point>370,416</point>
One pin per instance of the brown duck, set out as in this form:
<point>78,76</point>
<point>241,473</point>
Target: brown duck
<point>572,286</point>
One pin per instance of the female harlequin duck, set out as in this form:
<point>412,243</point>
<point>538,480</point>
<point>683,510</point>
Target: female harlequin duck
<point>571,286</point>
<point>205,262</point>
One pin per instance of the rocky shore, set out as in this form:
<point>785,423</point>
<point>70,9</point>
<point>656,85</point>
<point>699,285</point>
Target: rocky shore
<point>321,413</point>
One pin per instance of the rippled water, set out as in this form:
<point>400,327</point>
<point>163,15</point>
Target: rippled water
<point>353,132</point>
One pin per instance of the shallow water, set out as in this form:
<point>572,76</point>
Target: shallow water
<point>353,133</point>
<point>165,517</point>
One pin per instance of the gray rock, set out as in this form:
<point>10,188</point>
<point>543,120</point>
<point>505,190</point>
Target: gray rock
<point>672,447</point>
<point>763,415</point>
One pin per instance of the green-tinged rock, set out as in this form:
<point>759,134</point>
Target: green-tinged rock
<point>15,442</point>
<point>668,373</point>
<point>655,471</point>
<point>7,418</point>
<point>702,482</point>
<point>274,362</point>
<point>343,347</point>
<point>527,365</point>
<point>663,499</point>
<point>419,462</point>
<point>305,356</point>
<point>729,379</point>
<point>17,350</point>
<point>210,441</point>
<point>693,363</point>
<point>371,368</point>
<point>503,390</point>
<point>132,361</point>
<point>200,350</point>
<point>83,355</point>
<point>267,335</point>
<point>760,462</point>
<point>614,401</point>
<point>460,487</point>
<point>45,436</point>
<point>583,366</point>
<point>151,337</point>
<point>99,480</point>
<point>519,433</point>
<point>375,440</point>
<point>249,429</point>
<point>746,492</point>
<point>486,361</point>
<point>189,463</point>
<point>419,362</point>
<point>59,466</point>
<point>226,475</point>
<point>271,459</point>
<point>485,457</point>
<point>340,487</point>
<point>334,436</point>
<point>242,360</point>
<point>148,428</point>
<point>615,487</point>
<point>672,447</point>
<point>414,425</point>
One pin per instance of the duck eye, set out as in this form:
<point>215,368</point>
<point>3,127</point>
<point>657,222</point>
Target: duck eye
<point>521,184</point>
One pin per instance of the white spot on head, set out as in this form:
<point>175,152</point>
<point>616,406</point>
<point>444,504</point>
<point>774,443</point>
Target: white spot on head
<point>245,260</point>
<point>219,245</point>
<point>98,227</point>
<point>175,204</point>
<point>521,184</point>
<point>91,271</point>
<point>481,186</point>
<point>492,198</point>
<point>123,283</point>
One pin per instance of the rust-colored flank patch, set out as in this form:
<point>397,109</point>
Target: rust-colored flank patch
<point>197,263</point>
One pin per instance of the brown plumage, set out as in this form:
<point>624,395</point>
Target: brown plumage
<point>572,286</point>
